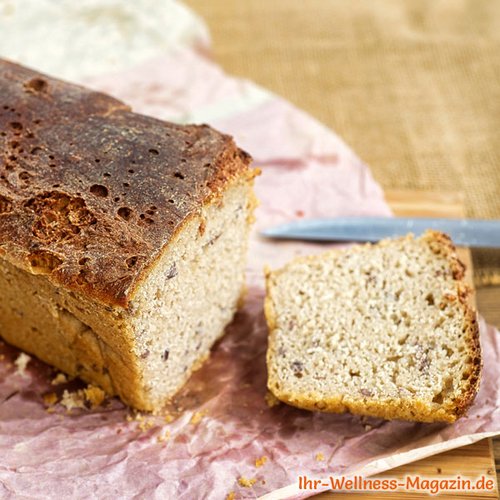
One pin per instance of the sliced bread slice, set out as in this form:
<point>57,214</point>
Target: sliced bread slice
<point>384,330</point>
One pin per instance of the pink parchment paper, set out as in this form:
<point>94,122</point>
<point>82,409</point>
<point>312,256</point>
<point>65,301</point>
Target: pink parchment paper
<point>223,423</point>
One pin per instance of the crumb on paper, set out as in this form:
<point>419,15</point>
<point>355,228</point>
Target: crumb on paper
<point>197,417</point>
<point>169,419</point>
<point>134,416</point>
<point>145,425</point>
<point>72,400</point>
<point>50,398</point>
<point>94,395</point>
<point>162,438</point>
<point>259,462</point>
<point>319,457</point>
<point>368,427</point>
<point>21,363</point>
<point>230,496</point>
<point>77,399</point>
<point>60,378</point>
<point>271,399</point>
<point>245,482</point>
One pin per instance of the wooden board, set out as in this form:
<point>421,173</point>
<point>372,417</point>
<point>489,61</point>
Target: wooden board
<point>473,460</point>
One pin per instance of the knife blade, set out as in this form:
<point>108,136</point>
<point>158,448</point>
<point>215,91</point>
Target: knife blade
<point>465,232</point>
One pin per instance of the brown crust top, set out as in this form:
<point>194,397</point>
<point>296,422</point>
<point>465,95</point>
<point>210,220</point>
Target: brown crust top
<point>90,192</point>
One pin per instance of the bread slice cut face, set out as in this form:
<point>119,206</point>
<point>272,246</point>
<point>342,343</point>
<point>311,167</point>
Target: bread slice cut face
<point>383,330</point>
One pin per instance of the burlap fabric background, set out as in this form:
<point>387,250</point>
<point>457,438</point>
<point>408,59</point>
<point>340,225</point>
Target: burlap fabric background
<point>412,86</point>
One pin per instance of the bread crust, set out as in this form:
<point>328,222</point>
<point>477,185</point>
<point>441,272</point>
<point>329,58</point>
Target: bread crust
<point>407,409</point>
<point>92,193</point>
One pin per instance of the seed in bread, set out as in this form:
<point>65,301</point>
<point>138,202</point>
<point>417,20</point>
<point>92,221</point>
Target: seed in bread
<point>122,237</point>
<point>383,330</point>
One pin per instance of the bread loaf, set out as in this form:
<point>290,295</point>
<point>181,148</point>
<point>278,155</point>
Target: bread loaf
<point>122,237</point>
<point>383,330</point>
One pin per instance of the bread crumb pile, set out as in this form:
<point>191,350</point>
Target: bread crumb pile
<point>246,482</point>
<point>60,378</point>
<point>88,397</point>
<point>21,363</point>
<point>197,417</point>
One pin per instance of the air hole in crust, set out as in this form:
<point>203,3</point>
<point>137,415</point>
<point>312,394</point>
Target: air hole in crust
<point>36,85</point>
<point>147,220</point>
<point>154,151</point>
<point>179,175</point>
<point>16,125</point>
<point>99,190</point>
<point>5,205</point>
<point>131,261</point>
<point>43,262</point>
<point>125,213</point>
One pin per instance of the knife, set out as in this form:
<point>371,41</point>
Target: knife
<point>466,232</point>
